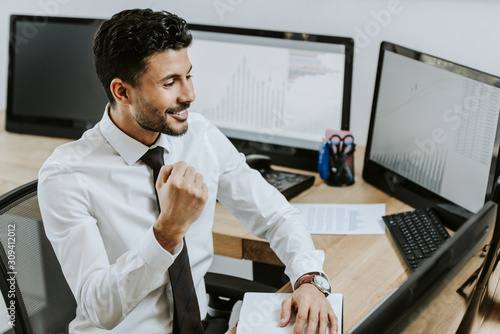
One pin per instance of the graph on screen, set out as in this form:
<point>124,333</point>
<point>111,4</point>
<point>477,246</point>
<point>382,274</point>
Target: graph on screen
<point>435,127</point>
<point>427,170</point>
<point>267,93</point>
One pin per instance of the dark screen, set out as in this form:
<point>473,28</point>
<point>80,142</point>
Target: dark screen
<point>56,68</point>
<point>52,80</point>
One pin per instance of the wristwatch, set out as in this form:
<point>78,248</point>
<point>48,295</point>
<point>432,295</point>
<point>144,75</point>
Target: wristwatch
<point>319,280</point>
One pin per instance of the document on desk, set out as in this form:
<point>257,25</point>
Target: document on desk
<point>260,313</point>
<point>343,218</point>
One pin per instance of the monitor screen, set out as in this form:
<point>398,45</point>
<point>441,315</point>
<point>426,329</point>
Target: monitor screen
<point>436,298</point>
<point>272,92</point>
<point>53,89</point>
<point>434,135</point>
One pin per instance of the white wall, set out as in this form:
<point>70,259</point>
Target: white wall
<point>464,31</point>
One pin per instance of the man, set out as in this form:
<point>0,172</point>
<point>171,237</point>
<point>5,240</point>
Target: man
<point>118,234</point>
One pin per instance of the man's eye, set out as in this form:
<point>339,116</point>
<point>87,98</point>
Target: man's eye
<point>170,84</point>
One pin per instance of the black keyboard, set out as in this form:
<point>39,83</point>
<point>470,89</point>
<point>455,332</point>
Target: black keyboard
<point>418,234</point>
<point>289,184</point>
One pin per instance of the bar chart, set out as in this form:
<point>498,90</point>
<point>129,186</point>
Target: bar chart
<point>271,93</point>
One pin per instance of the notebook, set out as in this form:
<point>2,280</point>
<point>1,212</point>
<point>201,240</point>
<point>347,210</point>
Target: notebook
<point>260,313</point>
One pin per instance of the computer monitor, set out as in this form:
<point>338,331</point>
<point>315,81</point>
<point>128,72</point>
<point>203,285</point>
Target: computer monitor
<point>436,298</point>
<point>270,92</point>
<point>53,89</point>
<point>433,139</point>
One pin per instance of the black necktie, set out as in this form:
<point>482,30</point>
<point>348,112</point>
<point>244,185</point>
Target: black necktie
<point>186,310</point>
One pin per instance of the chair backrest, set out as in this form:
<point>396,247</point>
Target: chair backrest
<point>36,294</point>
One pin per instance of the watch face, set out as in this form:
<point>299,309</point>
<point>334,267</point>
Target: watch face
<point>321,281</point>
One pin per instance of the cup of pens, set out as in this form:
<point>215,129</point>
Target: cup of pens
<point>336,158</point>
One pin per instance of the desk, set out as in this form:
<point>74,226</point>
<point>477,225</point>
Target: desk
<point>365,268</point>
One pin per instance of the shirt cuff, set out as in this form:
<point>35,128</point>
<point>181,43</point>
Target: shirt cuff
<point>154,254</point>
<point>309,262</point>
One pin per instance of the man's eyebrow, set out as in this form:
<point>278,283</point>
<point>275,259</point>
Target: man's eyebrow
<point>175,75</point>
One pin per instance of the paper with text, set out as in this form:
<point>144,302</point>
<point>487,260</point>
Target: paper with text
<point>343,218</point>
<point>260,313</point>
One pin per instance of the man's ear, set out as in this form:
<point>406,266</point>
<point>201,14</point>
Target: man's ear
<point>119,90</point>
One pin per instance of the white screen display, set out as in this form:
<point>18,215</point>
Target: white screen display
<point>436,127</point>
<point>276,91</point>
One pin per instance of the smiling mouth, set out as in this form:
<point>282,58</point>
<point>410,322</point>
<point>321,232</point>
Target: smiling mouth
<point>177,112</point>
<point>180,116</point>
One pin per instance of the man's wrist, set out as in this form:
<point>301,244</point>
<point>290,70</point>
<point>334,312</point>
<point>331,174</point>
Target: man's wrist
<point>169,243</point>
<point>317,279</point>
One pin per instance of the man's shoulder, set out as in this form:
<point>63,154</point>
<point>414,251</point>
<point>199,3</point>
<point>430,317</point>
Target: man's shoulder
<point>73,153</point>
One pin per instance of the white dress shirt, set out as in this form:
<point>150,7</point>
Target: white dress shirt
<point>98,206</point>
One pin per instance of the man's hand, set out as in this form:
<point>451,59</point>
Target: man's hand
<point>312,309</point>
<point>182,195</point>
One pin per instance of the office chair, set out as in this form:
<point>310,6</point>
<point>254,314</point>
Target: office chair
<point>36,294</point>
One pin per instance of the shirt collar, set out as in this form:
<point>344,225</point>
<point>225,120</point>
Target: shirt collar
<point>127,147</point>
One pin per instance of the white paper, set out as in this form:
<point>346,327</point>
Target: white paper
<point>260,313</point>
<point>343,218</point>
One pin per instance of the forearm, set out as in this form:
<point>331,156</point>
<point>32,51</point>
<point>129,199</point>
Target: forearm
<point>267,214</point>
<point>109,294</point>
<point>292,243</point>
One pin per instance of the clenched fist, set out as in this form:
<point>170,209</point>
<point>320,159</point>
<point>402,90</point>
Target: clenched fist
<point>182,195</point>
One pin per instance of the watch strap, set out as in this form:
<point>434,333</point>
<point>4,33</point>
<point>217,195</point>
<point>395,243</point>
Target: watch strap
<point>309,278</point>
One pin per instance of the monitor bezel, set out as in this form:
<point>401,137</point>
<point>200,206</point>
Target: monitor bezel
<point>283,155</point>
<point>399,186</point>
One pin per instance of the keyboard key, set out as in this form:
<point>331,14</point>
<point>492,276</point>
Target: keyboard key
<point>401,238</point>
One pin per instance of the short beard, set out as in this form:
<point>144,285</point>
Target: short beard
<point>148,120</point>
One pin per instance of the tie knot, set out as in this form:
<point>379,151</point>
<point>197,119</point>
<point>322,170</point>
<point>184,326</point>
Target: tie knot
<point>154,158</point>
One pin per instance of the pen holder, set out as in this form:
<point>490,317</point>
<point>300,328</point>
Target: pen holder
<point>336,158</point>
<point>341,169</point>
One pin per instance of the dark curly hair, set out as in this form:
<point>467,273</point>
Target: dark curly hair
<point>123,43</point>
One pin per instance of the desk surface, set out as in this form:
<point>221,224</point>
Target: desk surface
<point>364,268</point>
